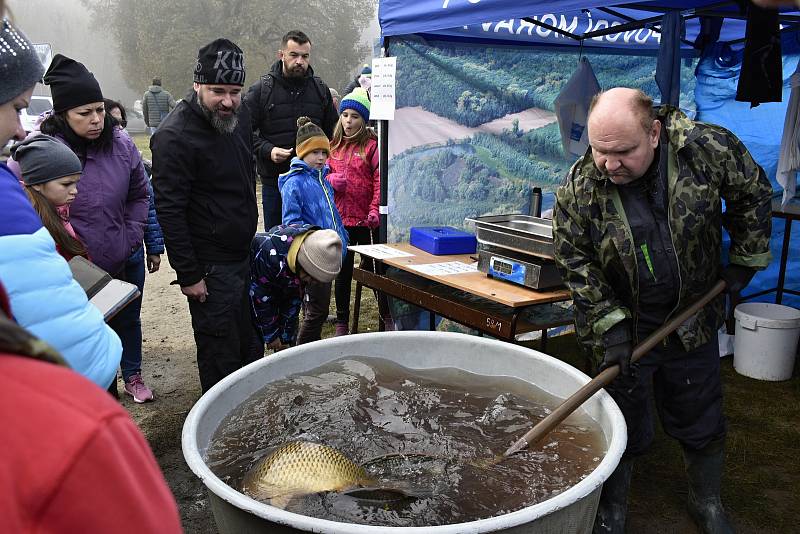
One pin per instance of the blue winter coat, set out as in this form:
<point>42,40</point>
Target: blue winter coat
<point>153,238</point>
<point>308,199</point>
<point>44,297</point>
<point>275,291</point>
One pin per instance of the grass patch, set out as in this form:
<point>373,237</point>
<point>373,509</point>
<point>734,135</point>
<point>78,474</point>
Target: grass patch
<point>142,142</point>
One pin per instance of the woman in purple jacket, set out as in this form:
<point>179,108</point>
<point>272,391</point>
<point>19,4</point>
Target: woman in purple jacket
<point>110,211</point>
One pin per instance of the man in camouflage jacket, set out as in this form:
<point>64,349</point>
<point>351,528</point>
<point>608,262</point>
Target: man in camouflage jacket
<point>637,229</point>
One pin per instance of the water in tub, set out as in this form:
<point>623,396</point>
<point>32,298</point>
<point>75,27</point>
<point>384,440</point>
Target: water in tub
<point>427,432</point>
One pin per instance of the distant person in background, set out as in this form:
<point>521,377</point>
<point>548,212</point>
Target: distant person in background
<point>337,98</point>
<point>50,172</point>
<point>46,299</point>
<point>156,104</point>
<point>117,112</point>
<point>153,238</point>
<point>110,212</point>
<point>288,91</point>
<point>363,79</point>
<point>206,200</point>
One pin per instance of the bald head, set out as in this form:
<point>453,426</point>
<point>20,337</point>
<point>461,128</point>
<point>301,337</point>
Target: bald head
<point>623,133</point>
<point>634,103</point>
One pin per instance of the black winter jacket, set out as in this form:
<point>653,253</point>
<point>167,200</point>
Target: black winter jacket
<point>274,115</point>
<point>205,190</point>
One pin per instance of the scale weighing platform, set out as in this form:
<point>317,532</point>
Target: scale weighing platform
<point>518,249</point>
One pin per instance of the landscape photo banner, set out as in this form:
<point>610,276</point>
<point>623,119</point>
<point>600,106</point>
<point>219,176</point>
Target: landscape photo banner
<point>471,133</point>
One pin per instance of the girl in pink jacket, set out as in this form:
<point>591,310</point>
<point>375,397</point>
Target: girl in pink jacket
<point>356,185</point>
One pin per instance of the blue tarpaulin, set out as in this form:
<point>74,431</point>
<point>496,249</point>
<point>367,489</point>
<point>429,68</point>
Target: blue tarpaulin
<point>500,21</point>
<point>586,24</point>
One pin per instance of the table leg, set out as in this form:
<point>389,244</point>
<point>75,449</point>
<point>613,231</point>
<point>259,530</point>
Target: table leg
<point>432,319</point>
<point>356,309</point>
<point>543,344</point>
<point>787,234</point>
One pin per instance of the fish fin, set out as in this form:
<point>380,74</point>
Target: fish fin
<point>385,493</point>
<point>280,501</point>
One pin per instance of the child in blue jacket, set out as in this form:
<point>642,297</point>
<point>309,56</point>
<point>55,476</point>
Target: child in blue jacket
<point>308,199</point>
<point>282,261</point>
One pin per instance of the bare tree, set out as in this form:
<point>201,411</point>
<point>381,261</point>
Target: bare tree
<point>159,38</point>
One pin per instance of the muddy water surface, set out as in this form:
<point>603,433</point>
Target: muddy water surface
<point>443,422</point>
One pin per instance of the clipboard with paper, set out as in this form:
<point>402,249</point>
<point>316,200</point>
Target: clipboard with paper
<point>107,294</point>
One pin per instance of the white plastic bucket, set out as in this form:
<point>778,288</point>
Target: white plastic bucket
<point>765,345</point>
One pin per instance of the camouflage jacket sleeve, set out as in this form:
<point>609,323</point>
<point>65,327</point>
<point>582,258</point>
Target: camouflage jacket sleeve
<point>577,256</point>
<point>748,208</point>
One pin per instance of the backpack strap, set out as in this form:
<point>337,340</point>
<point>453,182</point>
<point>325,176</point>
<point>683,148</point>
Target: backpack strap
<point>322,91</point>
<point>264,95</point>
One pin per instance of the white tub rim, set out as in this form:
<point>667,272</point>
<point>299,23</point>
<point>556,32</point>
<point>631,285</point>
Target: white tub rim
<point>194,457</point>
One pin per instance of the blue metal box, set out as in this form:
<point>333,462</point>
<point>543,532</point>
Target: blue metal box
<point>441,240</point>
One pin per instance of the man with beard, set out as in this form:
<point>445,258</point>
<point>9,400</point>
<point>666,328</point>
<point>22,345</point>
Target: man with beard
<point>206,203</point>
<point>287,92</point>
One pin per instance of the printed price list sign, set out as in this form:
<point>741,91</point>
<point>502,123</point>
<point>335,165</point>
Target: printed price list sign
<point>382,92</point>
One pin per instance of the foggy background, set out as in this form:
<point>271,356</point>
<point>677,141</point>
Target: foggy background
<point>72,29</point>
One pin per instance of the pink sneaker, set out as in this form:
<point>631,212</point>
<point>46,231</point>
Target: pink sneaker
<point>341,329</point>
<point>135,387</point>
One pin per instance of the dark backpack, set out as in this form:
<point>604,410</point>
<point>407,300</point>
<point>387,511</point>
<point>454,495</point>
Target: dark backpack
<point>267,82</point>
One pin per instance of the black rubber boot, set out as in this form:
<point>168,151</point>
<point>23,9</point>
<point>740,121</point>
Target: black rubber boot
<point>613,507</point>
<point>704,469</point>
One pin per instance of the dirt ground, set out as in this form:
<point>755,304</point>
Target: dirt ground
<point>170,369</point>
<point>761,473</point>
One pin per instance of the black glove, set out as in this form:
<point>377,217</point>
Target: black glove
<point>619,354</point>
<point>619,348</point>
<point>736,277</point>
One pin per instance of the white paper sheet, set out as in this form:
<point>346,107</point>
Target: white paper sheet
<point>382,92</point>
<point>446,268</point>
<point>379,252</point>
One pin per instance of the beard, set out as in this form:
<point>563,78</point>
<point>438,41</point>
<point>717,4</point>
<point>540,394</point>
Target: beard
<point>223,125</point>
<point>294,72</point>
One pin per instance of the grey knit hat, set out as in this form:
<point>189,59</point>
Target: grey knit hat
<point>43,158</point>
<point>20,67</point>
<point>320,255</point>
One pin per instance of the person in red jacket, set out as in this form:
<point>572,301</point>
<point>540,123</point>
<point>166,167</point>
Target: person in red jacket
<point>73,460</point>
<point>355,180</point>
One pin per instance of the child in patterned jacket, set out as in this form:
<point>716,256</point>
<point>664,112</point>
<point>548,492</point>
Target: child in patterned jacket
<point>282,261</point>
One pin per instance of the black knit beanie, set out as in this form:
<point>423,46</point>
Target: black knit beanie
<point>220,62</point>
<point>71,84</point>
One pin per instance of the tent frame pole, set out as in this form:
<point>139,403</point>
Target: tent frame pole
<point>383,166</point>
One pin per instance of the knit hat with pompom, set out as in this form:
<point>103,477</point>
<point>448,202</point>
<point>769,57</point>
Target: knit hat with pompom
<point>310,137</point>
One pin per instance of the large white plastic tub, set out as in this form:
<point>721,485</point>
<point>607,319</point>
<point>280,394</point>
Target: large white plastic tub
<point>572,511</point>
<point>765,345</point>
